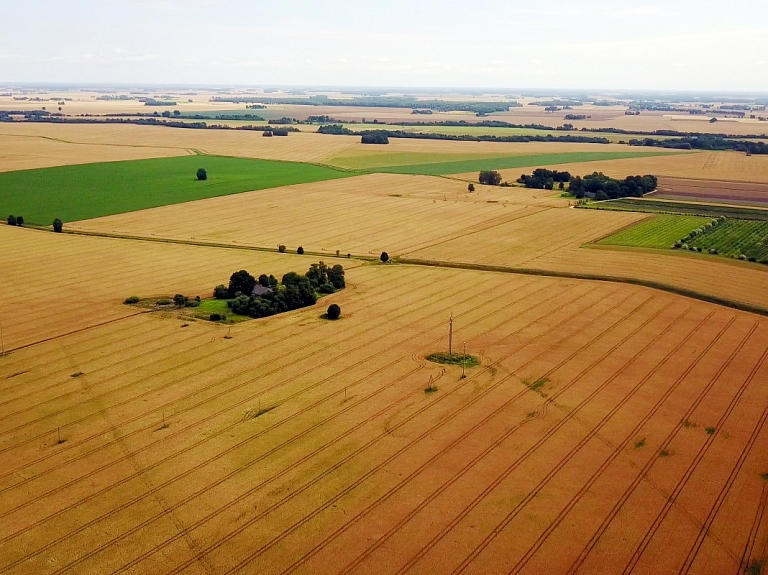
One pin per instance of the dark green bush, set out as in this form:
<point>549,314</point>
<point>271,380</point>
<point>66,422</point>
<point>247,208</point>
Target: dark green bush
<point>215,317</point>
<point>132,299</point>
<point>334,311</point>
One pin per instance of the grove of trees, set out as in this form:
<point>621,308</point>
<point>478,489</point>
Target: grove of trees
<point>543,179</point>
<point>490,177</point>
<point>602,187</point>
<point>292,292</point>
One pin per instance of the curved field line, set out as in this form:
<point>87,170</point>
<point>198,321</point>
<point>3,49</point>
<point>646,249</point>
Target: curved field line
<point>635,558</point>
<point>646,468</point>
<point>156,410</point>
<point>596,475</point>
<point>593,432</point>
<point>380,541</point>
<point>382,464</point>
<point>189,448</point>
<point>224,430</point>
<point>198,359</point>
<point>252,462</point>
<point>103,382</point>
<point>704,531</point>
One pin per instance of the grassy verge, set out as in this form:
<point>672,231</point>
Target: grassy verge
<point>91,190</point>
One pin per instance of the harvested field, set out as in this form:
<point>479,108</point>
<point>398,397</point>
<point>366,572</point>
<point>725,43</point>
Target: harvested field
<point>54,284</point>
<point>362,215</point>
<point>23,152</point>
<point>751,194</point>
<point>305,446</point>
<point>729,166</point>
<point>297,147</point>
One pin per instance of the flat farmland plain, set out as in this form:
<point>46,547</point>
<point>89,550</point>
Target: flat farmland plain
<point>366,215</point>
<point>608,428</point>
<point>55,284</point>
<point>740,193</point>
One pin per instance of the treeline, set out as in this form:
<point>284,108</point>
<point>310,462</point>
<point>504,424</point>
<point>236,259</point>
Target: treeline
<point>704,143</point>
<point>294,291</point>
<point>601,187</point>
<point>153,121</point>
<point>337,129</point>
<point>377,102</point>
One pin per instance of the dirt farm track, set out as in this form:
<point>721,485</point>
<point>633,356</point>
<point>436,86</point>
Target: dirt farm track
<point>608,429</point>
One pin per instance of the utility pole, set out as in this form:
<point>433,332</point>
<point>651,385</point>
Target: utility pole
<point>450,334</point>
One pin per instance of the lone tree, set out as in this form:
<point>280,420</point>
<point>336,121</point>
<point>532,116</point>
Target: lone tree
<point>58,225</point>
<point>11,220</point>
<point>202,174</point>
<point>19,220</point>
<point>490,177</point>
<point>180,300</point>
<point>242,282</point>
<point>334,311</point>
<point>471,188</point>
<point>281,248</point>
<point>384,257</point>
<point>300,251</point>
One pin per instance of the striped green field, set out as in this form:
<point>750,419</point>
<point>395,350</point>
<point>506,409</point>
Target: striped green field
<point>735,238</point>
<point>656,232</point>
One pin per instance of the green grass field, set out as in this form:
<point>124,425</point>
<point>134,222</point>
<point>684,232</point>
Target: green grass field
<point>506,162</point>
<point>86,191</point>
<point>656,232</point>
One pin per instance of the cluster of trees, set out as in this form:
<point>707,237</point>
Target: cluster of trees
<point>294,291</point>
<point>375,138</point>
<point>15,220</point>
<point>275,132</point>
<point>704,142</point>
<point>601,187</point>
<point>543,179</point>
<point>489,178</point>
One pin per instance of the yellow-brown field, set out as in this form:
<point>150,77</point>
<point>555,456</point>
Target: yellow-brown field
<point>582,442</point>
<point>729,166</point>
<point>57,284</point>
<point>608,428</point>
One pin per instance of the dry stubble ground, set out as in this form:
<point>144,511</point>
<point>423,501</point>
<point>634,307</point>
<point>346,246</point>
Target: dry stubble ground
<point>547,457</point>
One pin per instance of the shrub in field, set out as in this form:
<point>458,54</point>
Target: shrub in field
<point>131,299</point>
<point>192,303</point>
<point>215,317</point>
<point>384,257</point>
<point>326,289</point>
<point>58,225</point>
<point>300,251</point>
<point>180,300</point>
<point>221,292</point>
<point>19,220</point>
<point>202,174</point>
<point>11,220</point>
<point>490,177</point>
<point>471,188</point>
<point>281,248</point>
<point>163,301</point>
<point>334,311</point>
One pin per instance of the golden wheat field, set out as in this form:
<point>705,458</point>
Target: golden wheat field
<point>728,166</point>
<point>57,284</point>
<point>608,427</point>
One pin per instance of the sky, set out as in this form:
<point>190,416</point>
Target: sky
<point>579,44</point>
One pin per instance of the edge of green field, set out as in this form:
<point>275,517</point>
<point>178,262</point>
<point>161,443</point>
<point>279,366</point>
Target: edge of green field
<point>655,231</point>
<point>85,191</point>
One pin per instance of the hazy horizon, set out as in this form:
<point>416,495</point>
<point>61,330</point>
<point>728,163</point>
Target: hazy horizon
<point>594,45</point>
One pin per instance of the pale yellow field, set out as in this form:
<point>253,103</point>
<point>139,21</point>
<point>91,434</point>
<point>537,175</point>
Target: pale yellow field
<point>57,284</point>
<point>363,215</point>
<point>729,166</point>
<point>299,147</point>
